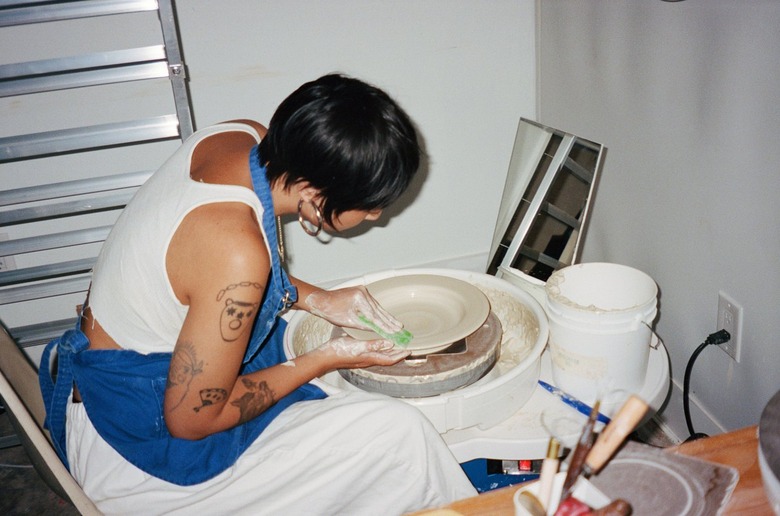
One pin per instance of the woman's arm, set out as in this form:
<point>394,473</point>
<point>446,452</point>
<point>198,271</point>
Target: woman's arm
<point>304,289</point>
<point>218,265</point>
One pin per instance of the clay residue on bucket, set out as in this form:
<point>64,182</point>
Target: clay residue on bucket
<point>591,367</point>
<point>553,289</point>
<point>600,288</point>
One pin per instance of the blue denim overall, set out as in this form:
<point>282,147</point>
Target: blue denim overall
<point>122,390</point>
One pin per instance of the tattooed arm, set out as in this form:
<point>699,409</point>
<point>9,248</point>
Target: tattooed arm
<point>218,265</point>
<point>219,271</point>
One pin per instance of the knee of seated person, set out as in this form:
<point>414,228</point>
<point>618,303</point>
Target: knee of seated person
<point>398,414</point>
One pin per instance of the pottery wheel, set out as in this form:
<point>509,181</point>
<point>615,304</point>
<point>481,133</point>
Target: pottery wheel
<point>461,364</point>
<point>769,443</point>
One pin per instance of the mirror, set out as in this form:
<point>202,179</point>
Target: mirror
<point>544,209</point>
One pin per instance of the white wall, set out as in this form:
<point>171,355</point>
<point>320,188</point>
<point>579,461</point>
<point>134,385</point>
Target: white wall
<point>464,71</point>
<point>686,97</point>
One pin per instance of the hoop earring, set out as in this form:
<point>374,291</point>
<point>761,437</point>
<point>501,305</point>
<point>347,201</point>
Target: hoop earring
<point>307,226</point>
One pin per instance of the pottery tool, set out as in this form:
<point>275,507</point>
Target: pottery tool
<point>572,506</point>
<point>549,470</point>
<point>527,503</point>
<point>571,401</point>
<point>617,507</point>
<point>581,451</point>
<point>589,457</point>
<point>613,435</point>
<point>400,338</point>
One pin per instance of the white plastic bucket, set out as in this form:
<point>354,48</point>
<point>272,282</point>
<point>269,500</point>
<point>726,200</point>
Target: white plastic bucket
<point>600,318</point>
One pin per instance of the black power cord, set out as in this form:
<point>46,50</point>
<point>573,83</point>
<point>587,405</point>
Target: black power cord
<point>719,337</point>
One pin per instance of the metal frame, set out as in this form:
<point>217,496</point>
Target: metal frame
<point>73,198</point>
<point>512,243</point>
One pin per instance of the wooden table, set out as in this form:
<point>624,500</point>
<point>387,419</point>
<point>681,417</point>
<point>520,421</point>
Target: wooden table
<point>737,449</point>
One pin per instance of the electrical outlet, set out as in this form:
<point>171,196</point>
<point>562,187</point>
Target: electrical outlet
<point>7,263</point>
<point>730,319</point>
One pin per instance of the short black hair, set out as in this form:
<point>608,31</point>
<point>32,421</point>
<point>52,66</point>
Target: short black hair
<point>346,138</point>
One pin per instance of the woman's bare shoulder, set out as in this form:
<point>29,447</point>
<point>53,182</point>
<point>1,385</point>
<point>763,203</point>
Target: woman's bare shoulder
<point>223,158</point>
<point>216,242</point>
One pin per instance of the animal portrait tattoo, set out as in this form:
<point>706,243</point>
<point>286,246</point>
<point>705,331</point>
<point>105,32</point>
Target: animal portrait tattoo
<point>184,367</point>
<point>253,402</point>
<point>236,315</point>
<point>210,397</point>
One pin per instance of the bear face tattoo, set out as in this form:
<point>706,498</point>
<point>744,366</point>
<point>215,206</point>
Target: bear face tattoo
<point>236,318</point>
<point>236,315</point>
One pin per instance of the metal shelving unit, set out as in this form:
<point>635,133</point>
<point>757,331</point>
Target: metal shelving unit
<point>71,197</point>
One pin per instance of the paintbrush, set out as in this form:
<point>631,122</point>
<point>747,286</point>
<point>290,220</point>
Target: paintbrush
<point>580,453</point>
<point>597,454</point>
<point>549,470</point>
<point>571,401</point>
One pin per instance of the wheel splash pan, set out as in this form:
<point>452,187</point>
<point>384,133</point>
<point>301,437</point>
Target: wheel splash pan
<point>460,365</point>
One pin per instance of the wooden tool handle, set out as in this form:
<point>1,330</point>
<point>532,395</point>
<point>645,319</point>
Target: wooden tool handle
<point>618,507</point>
<point>613,435</point>
<point>580,453</point>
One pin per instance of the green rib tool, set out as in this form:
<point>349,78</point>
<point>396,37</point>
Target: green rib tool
<point>400,338</point>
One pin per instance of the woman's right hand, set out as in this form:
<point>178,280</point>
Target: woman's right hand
<point>349,353</point>
<point>353,307</point>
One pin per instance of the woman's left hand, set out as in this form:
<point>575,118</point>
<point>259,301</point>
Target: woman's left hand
<point>346,306</point>
<point>349,353</point>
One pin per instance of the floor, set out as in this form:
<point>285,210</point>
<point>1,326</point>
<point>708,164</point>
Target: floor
<point>23,492</point>
<point>21,489</point>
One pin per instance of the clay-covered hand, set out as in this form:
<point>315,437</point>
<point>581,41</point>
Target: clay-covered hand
<point>348,353</point>
<point>347,306</point>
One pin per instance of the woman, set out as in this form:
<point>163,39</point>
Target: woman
<point>182,398</point>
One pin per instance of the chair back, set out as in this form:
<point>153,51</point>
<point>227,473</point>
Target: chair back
<point>24,405</point>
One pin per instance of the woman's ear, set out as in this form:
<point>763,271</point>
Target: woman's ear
<point>306,191</point>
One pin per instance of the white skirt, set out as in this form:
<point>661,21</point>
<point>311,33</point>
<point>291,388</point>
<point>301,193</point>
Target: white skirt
<point>352,453</point>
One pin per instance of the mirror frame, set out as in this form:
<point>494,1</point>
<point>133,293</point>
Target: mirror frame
<point>551,174</point>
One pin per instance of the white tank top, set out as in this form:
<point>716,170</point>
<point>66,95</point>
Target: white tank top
<point>131,295</point>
